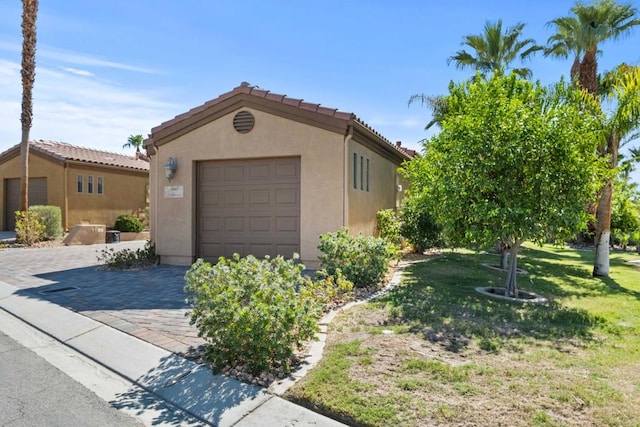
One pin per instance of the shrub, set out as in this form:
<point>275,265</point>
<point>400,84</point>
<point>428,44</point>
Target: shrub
<point>29,229</point>
<point>249,312</point>
<point>362,259</point>
<point>51,218</point>
<point>127,258</point>
<point>128,223</point>
<point>389,225</point>
<point>417,225</point>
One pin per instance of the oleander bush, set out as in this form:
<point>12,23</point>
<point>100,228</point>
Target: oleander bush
<point>128,223</point>
<point>51,218</point>
<point>363,260</point>
<point>256,312</point>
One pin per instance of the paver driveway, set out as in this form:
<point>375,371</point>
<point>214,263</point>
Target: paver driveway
<point>147,303</point>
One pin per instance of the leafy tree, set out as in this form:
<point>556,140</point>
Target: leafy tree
<point>623,119</point>
<point>496,50</point>
<point>514,160</point>
<point>134,141</point>
<point>28,71</point>
<point>581,34</point>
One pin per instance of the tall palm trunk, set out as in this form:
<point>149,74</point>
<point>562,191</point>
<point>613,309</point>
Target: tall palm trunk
<point>603,214</point>
<point>589,71</point>
<point>29,15</point>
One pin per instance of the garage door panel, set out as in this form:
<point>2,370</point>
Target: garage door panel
<point>37,196</point>
<point>251,207</point>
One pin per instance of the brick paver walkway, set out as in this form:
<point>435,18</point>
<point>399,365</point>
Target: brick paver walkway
<point>147,303</point>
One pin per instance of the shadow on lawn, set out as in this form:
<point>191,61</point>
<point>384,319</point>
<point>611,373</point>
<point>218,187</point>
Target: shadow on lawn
<point>438,299</point>
<point>578,274</point>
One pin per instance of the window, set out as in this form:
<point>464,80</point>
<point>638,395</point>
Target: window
<point>100,185</point>
<point>361,172</point>
<point>90,184</point>
<point>80,183</point>
<point>367,174</point>
<point>355,171</point>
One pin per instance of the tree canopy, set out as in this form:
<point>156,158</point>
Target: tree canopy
<point>514,161</point>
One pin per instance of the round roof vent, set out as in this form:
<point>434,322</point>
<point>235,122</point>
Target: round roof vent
<point>243,121</point>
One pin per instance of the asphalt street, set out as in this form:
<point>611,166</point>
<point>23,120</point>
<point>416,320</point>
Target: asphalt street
<point>36,393</point>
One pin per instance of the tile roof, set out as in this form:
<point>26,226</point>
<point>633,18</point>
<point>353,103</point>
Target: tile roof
<point>63,151</point>
<point>247,89</point>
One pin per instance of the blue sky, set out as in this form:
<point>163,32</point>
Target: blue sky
<point>109,69</point>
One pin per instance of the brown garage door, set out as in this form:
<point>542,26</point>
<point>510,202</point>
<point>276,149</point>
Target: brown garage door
<point>37,196</point>
<point>248,207</point>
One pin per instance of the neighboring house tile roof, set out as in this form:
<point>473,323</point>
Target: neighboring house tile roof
<point>63,151</point>
<point>349,119</point>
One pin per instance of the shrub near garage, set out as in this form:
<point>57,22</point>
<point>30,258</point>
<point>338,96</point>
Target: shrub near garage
<point>252,312</point>
<point>362,259</point>
<point>51,219</point>
<point>128,223</point>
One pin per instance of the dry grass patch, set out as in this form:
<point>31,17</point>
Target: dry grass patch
<point>433,352</point>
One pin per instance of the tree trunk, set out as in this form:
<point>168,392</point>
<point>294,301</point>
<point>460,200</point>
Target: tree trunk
<point>589,71</point>
<point>603,232</point>
<point>29,15</point>
<point>511,287</point>
<point>575,70</point>
<point>603,215</point>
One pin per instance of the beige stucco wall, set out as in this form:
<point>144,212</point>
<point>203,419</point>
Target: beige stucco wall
<point>383,188</point>
<point>39,167</point>
<point>124,191</point>
<point>321,152</point>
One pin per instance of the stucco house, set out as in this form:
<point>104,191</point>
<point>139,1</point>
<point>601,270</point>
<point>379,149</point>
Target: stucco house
<point>90,186</point>
<point>252,172</point>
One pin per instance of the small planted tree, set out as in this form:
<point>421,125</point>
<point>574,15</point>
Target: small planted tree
<point>514,161</point>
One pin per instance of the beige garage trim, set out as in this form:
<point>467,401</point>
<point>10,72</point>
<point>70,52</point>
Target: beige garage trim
<point>37,196</point>
<point>248,206</point>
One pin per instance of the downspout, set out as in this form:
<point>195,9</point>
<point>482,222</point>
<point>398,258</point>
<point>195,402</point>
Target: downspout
<point>345,177</point>
<point>65,196</point>
<point>154,233</point>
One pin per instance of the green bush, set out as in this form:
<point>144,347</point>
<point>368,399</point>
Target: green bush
<point>417,225</point>
<point>128,223</point>
<point>51,219</point>
<point>389,225</point>
<point>249,312</point>
<point>29,229</point>
<point>127,258</point>
<point>362,259</point>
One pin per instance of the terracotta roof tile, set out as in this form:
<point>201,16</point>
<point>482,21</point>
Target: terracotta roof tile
<point>246,88</point>
<point>64,151</point>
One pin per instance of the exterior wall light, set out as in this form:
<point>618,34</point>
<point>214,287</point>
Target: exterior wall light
<point>170,168</point>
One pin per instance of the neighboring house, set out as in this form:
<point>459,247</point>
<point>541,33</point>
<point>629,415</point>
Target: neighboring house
<point>263,174</point>
<point>89,186</point>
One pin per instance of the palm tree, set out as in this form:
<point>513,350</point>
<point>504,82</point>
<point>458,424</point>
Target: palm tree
<point>29,15</point>
<point>437,104</point>
<point>624,119</point>
<point>495,50</point>
<point>134,141</point>
<point>580,35</point>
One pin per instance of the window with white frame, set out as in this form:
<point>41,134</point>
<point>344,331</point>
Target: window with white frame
<point>89,184</point>
<point>100,185</point>
<point>80,185</point>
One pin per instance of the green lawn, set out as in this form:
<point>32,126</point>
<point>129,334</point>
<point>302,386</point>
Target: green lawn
<point>434,351</point>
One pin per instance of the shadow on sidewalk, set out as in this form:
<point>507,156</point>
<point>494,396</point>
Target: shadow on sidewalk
<point>192,388</point>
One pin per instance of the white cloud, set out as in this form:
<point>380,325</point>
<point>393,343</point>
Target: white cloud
<point>75,58</point>
<point>71,108</point>
<point>77,72</point>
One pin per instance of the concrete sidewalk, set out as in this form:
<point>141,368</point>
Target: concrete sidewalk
<point>214,399</point>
